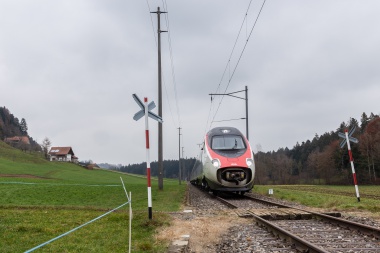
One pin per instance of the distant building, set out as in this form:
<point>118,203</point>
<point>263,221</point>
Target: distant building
<point>17,140</point>
<point>64,154</point>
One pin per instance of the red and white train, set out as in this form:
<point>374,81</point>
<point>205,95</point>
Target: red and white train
<point>226,162</point>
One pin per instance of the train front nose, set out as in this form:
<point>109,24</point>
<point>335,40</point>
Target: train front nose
<point>234,176</point>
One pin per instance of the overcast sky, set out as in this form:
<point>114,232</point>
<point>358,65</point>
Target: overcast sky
<point>70,69</point>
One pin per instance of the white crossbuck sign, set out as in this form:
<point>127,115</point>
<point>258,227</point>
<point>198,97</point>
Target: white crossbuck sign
<point>352,139</point>
<point>141,113</point>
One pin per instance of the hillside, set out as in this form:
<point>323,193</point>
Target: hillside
<point>10,153</point>
<point>16,163</point>
<point>11,126</point>
<point>41,200</point>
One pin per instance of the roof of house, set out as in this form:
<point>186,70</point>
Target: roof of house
<point>24,139</point>
<point>61,151</point>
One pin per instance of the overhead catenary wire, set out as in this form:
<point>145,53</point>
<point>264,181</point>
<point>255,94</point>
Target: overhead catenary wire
<point>233,48</point>
<point>240,56</point>
<point>227,67</point>
<point>229,120</point>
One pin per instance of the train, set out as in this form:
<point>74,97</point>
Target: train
<point>225,163</point>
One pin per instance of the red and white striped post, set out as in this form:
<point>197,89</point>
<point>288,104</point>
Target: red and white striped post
<point>352,165</point>
<point>145,111</point>
<point>148,159</point>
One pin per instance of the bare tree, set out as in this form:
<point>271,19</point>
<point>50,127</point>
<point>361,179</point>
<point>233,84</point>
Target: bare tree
<point>327,165</point>
<point>369,146</point>
<point>46,144</point>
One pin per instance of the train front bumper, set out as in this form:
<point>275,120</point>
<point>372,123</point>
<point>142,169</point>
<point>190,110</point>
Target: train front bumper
<point>232,179</point>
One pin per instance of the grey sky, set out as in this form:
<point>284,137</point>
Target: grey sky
<point>70,69</point>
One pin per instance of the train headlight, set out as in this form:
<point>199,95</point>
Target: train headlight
<point>216,163</point>
<point>249,162</point>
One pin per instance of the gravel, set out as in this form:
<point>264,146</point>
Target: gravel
<point>246,236</point>
<point>251,238</point>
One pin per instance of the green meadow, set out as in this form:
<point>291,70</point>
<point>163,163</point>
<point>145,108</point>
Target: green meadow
<point>340,198</point>
<point>41,200</point>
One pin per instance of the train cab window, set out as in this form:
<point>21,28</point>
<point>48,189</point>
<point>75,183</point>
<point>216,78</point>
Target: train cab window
<point>227,142</point>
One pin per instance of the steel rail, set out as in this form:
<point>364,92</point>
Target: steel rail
<point>297,242</point>
<point>266,202</point>
<point>368,230</point>
<point>227,203</point>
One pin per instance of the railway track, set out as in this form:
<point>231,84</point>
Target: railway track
<point>306,231</point>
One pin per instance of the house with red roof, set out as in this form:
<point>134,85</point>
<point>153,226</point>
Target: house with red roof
<point>64,154</point>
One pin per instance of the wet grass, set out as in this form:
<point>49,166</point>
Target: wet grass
<point>24,229</point>
<point>332,197</point>
<point>41,200</point>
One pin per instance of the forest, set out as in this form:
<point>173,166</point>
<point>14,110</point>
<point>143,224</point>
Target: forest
<point>322,161</point>
<point>316,161</point>
<point>11,126</point>
<point>171,168</point>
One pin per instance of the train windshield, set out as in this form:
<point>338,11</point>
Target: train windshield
<point>227,142</point>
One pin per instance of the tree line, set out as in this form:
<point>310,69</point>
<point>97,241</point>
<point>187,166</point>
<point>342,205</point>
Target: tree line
<point>316,161</point>
<point>322,161</point>
<point>171,168</point>
<point>11,126</point>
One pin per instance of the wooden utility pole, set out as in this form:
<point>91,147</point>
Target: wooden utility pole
<point>183,164</point>
<point>160,137</point>
<point>179,156</point>
<point>246,111</point>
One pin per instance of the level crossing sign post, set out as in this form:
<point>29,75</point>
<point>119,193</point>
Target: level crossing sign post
<point>146,111</point>
<point>347,137</point>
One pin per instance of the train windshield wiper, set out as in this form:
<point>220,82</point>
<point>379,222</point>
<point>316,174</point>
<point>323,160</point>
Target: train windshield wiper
<point>235,146</point>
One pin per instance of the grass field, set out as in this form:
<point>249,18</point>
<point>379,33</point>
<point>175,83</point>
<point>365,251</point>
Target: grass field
<point>41,200</point>
<point>340,198</point>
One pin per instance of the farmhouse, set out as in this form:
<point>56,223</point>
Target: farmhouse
<point>65,154</point>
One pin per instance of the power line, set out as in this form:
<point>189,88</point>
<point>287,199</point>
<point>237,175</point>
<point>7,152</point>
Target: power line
<point>228,64</point>
<point>172,61</point>
<point>241,54</point>
<point>172,64</point>
<point>229,120</point>
<point>167,99</point>
<point>163,77</point>
<point>233,48</point>
<point>151,19</point>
